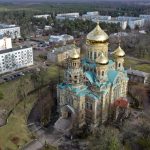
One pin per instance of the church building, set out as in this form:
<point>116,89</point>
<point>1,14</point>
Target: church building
<point>92,84</point>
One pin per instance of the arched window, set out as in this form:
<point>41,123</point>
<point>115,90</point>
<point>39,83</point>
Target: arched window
<point>102,73</point>
<point>119,65</point>
<point>95,55</point>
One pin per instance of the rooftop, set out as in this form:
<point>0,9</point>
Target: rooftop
<point>13,49</point>
<point>64,48</point>
<point>3,26</point>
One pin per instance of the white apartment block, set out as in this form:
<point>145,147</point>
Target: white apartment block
<point>145,17</point>
<point>12,31</point>
<point>123,24</point>
<point>70,16</point>
<point>42,16</point>
<point>132,21</point>
<point>93,13</point>
<point>12,59</point>
<point>5,43</point>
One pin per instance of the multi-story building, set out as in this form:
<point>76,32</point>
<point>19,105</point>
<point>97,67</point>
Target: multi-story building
<point>5,43</point>
<point>60,38</point>
<point>12,31</point>
<point>138,76</point>
<point>60,54</point>
<point>12,59</point>
<point>70,16</point>
<point>145,17</point>
<point>42,16</point>
<point>93,86</point>
<point>123,24</point>
<point>132,21</point>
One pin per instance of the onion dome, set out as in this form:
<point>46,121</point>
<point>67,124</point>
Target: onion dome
<point>97,35</point>
<point>119,52</point>
<point>74,54</point>
<point>102,59</point>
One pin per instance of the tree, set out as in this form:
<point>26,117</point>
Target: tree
<point>105,138</point>
<point>22,92</point>
<point>1,95</point>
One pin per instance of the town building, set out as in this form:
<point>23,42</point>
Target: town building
<point>12,31</point>
<point>138,76</point>
<point>42,16</point>
<point>70,16</point>
<point>60,38</point>
<point>15,58</point>
<point>60,54</point>
<point>93,86</point>
<point>133,22</point>
<point>123,24</point>
<point>5,43</point>
<point>145,17</point>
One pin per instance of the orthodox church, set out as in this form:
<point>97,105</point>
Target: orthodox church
<point>92,84</point>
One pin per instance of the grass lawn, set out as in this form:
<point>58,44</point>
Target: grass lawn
<point>143,67</point>
<point>16,133</point>
<point>130,63</point>
<point>136,65</point>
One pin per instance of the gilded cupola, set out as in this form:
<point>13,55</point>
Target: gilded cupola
<point>74,54</point>
<point>97,35</point>
<point>102,59</point>
<point>119,52</point>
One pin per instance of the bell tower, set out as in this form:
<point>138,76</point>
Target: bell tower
<point>102,67</point>
<point>119,58</point>
<point>74,72</point>
<point>97,43</point>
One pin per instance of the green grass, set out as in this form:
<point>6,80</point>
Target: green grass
<point>16,127</point>
<point>136,65</point>
<point>143,67</point>
<point>130,63</point>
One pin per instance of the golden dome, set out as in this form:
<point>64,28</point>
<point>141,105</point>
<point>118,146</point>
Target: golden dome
<point>97,34</point>
<point>119,52</point>
<point>102,59</point>
<point>74,54</point>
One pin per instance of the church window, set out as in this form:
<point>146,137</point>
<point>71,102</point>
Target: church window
<point>75,77</point>
<point>91,55</point>
<point>87,105</point>
<point>94,55</point>
<point>102,73</point>
<point>82,106</point>
<point>90,106</point>
<point>119,64</point>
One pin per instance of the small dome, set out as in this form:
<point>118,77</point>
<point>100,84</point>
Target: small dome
<point>74,54</point>
<point>97,35</point>
<point>119,52</point>
<point>102,59</point>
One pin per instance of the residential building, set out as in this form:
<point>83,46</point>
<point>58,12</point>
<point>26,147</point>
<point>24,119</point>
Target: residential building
<point>60,54</point>
<point>12,59</point>
<point>60,38</point>
<point>12,31</point>
<point>145,17</point>
<point>132,21</point>
<point>5,43</point>
<point>70,16</point>
<point>42,16</point>
<point>123,24</point>
<point>138,76</point>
